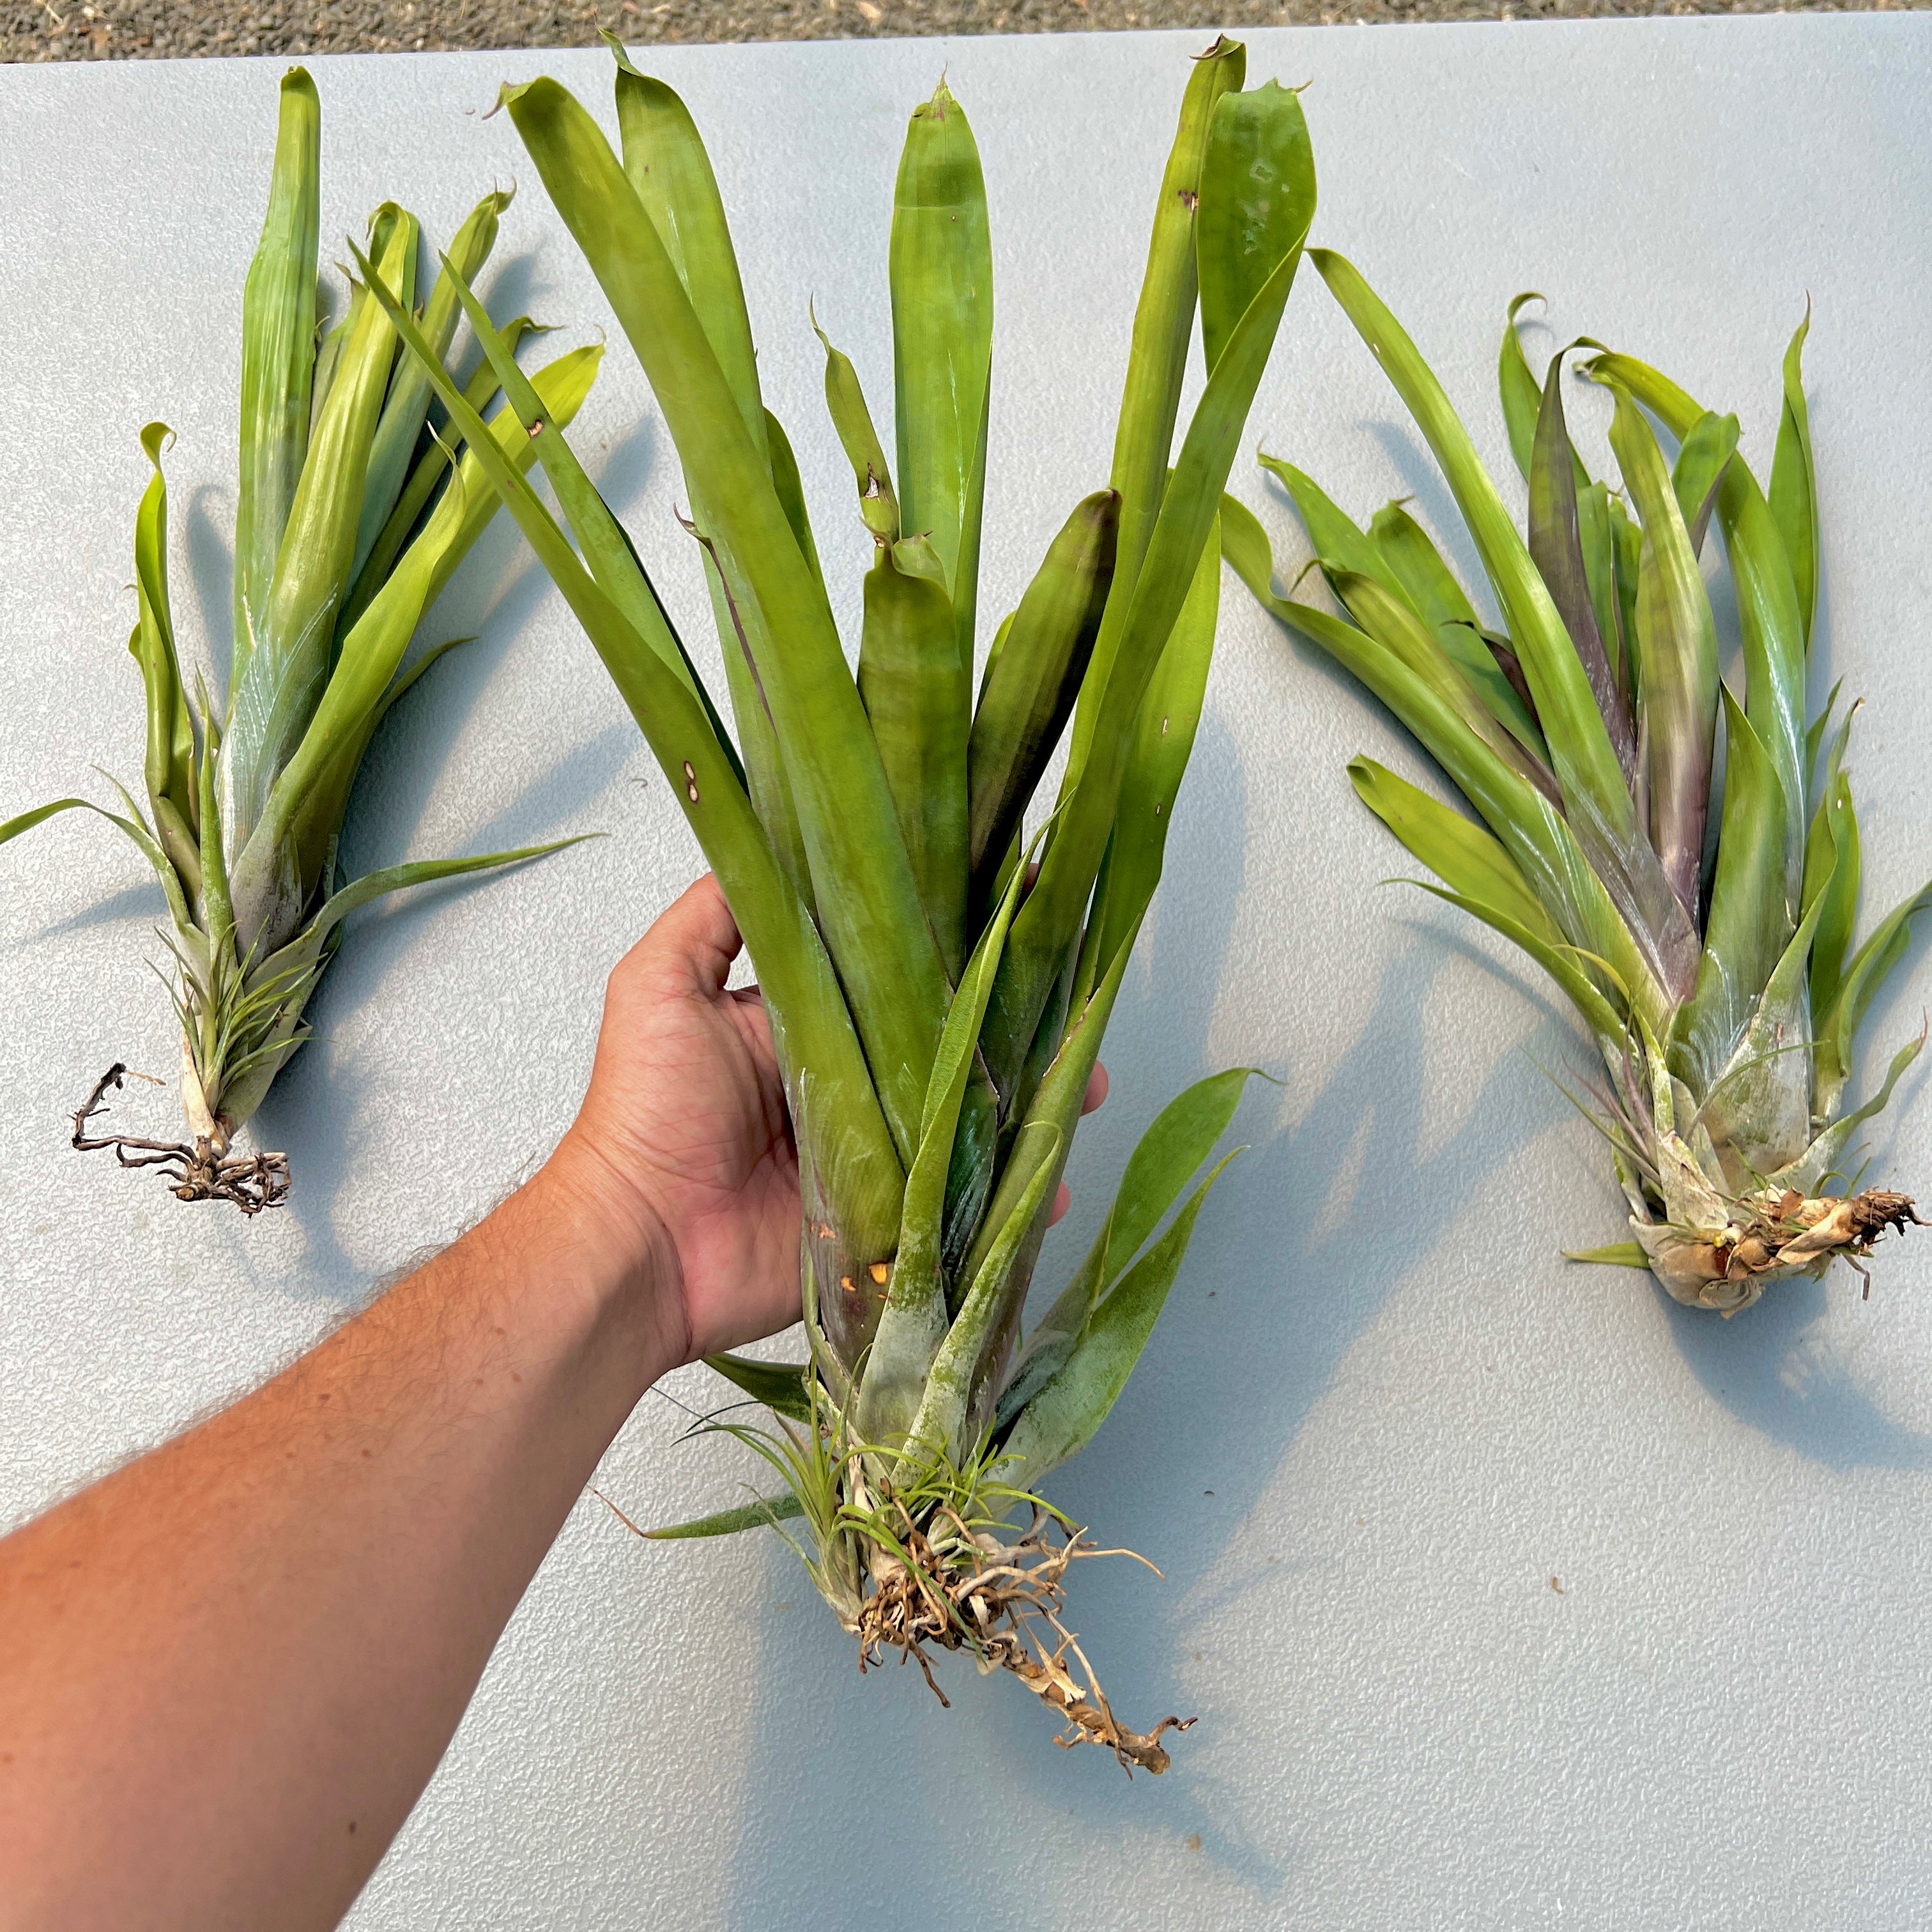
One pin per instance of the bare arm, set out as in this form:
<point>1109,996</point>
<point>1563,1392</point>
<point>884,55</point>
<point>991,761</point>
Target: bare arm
<point>228,1670</point>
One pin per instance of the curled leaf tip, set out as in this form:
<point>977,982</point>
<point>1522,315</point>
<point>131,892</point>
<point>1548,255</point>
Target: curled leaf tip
<point>619,49</point>
<point>511,91</point>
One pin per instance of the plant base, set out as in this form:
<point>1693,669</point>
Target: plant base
<point>1772,1237</point>
<point>201,1169</point>
<point>955,1590</point>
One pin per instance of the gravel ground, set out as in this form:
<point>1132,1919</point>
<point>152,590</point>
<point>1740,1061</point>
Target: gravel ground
<point>155,29</point>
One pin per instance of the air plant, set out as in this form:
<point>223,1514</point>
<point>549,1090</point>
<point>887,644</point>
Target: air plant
<point>351,518</point>
<point>937,1003</point>
<point>1705,939</point>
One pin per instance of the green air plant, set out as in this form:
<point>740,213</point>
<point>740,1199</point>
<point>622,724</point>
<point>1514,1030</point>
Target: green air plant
<point>1706,941</point>
<point>350,520</point>
<point>937,1004</point>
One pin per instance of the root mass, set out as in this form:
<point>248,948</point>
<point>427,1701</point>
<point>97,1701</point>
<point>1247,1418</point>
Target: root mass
<point>956,1590</point>
<point>201,1169</point>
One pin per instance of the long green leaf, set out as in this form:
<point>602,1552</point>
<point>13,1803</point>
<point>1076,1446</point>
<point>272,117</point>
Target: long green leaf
<point>170,766</point>
<point>1163,742</point>
<point>918,697</point>
<point>1679,642</point>
<point>1167,1157</point>
<point>1029,688</point>
<point>1480,878</point>
<point>432,465</point>
<point>1839,858</point>
<point>1522,394</point>
<point>1062,1418</point>
<point>867,898</point>
<point>288,665</point>
<point>1701,460</point>
<point>912,1323</point>
<point>1050,919</point>
<point>767,1511</point>
<point>1750,926</point>
<point>1871,965</point>
<point>941,268</point>
<point>1390,623</point>
<point>1257,184</point>
<point>137,831</point>
<point>841,1131</point>
<point>277,877</point>
<point>780,1386</point>
<point>1416,565</point>
<point>943,1423</point>
<point>1820,1161</point>
<point>1556,544</point>
<point>1157,362</point>
<point>1535,835</point>
<point>871,474</point>
<point>406,408</point>
<point>277,359</point>
<point>1794,488</point>
<point>1768,614</point>
<point>1460,853</point>
<point>671,175</point>
<point>1584,761</point>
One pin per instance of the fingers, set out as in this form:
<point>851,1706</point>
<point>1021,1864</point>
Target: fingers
<point>690,946</point>
<point>1096,1093</point>
<point>1097,1083</point>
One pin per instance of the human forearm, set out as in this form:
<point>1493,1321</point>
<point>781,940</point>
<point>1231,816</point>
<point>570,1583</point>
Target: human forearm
<point>284,1612</point>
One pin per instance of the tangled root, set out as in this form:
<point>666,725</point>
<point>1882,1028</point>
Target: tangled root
<point>1772,1237</point>
<point>954,1590</point>
<point>198,1170</point>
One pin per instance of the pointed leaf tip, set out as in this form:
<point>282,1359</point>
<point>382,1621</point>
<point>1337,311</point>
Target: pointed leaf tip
<point>1619,1254</point>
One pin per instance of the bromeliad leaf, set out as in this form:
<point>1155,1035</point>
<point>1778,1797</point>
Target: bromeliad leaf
<point>247,800</point>
<point>1727,1028</point>
<point>768,1512</point>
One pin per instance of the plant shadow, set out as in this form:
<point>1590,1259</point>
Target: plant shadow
<point>1775,1368</point>
<point>1251,1340</point>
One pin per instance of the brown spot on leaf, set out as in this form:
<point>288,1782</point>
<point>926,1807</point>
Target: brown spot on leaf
<point>690,782</point>
<point>880,1271</point>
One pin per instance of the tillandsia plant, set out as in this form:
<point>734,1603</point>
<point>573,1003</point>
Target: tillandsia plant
<point>1705,941</point>
<point>350,520</point>
<point>936,1003</point>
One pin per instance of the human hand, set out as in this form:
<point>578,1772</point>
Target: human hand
<point>683,1138</point>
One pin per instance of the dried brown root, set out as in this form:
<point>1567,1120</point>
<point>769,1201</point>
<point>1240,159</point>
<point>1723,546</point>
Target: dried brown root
<point>957,1590</point>
<point>201,1169</point>
<point>1770,1238</point>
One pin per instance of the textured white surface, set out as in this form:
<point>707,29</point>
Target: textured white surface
<point>1381,1415</point>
